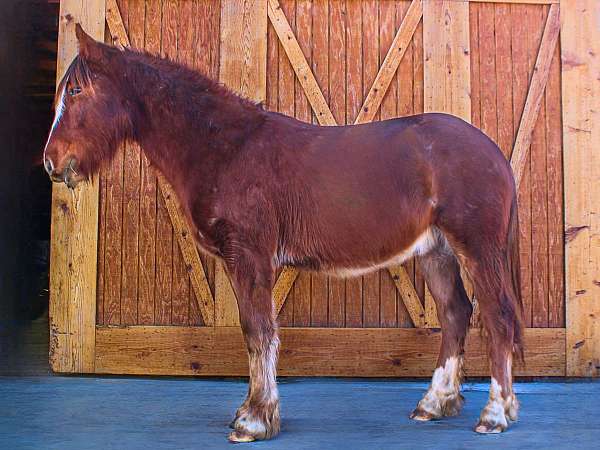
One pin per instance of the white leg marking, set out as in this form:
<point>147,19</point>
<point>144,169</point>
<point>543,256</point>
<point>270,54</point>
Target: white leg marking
<point>443,396</point>
<point>498,411</point>
<point>261,420</point>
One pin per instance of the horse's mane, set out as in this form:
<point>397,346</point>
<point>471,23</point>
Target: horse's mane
<point>162,69</point>
<point>178,72</point>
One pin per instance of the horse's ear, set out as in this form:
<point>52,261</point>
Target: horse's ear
<point>88,47</point>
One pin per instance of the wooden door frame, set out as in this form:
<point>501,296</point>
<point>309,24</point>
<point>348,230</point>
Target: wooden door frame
<point>78,345</point>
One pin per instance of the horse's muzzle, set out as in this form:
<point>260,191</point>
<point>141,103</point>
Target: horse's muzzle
<point>67,175</point>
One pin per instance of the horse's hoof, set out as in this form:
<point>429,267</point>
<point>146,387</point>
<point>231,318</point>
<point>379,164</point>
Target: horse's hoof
<point>434,409</point>
<point>238,437</point>
<point>255,424</point>
<point>490,428</point>
<point>493,419</point>
<point>421,415</point>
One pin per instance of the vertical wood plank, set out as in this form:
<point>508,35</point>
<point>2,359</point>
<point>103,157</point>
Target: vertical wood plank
<point>539,195</point>
<point>447,71</point>
<point>164,229</point>
<point>114,230</point>
<point>388,17</point>
<point>371,63</point>
<point>134,23</point>
<point>303,32</point>
<point>580,38</point>
<point>337,103</point>
<point>101,248</point>
<point>243,68</point>
<point>181,291</point>
<point>487,67</point>
<point>520,80</point>
<point>148,192</point>
<point>206,60</point>
<point>320,67</point>
<point>504,72</point>
<point>447,59</point>
<point>556,291</point>
<point>476,114</point>
<point>475,61</point>
<point>74,229</point>
<point>287,91</point>
<point>354,100</point>
<point>418,108</point>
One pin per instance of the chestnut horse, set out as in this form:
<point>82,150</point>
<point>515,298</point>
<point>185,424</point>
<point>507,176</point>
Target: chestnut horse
<point>261,190</point>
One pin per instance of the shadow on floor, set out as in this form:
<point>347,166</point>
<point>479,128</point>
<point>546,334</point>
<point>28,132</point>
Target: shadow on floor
<point>136,413</point>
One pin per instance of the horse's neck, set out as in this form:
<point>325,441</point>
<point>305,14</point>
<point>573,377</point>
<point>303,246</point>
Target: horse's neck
<point>185,133</point>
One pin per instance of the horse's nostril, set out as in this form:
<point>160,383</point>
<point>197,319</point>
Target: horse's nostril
<point>48,166</point>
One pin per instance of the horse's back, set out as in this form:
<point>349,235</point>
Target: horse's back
<point>382,185</point>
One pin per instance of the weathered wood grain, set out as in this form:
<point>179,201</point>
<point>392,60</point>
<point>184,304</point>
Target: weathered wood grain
<point>337,101</point>
<point>390,18</point>
<point>243,61</point>
<point>298,61</point>
<point>447,74</point>
<point>536,90</point>
<point>366,352</point>
<point>409,295</point>
<point>556,291</point>
<point>520,85</point>
<point>354,100</point>
<point>74,228</point>
<point>390,64</point>
<point>320,66</point>
<point>447,57</point>
<point>580,46</point>
<point>148,190</point>
<point>167,202</point>
<point>134,22</point>
<point>539,201</point>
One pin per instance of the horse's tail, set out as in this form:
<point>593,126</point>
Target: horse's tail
<point>515,274</point>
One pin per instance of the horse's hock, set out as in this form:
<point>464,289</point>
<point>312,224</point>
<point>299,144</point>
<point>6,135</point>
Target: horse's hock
<point>129,291</point>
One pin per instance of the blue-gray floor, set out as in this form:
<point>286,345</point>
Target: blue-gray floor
<point>150,414</point>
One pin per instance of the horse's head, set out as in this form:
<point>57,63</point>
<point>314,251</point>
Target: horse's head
<point>91,117</point>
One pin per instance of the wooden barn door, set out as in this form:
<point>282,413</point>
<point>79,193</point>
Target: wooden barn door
<point>161,308</point>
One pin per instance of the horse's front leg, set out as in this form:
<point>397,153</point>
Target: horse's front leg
<point>252,275</point>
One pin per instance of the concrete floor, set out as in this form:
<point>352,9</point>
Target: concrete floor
<point>150,414</point>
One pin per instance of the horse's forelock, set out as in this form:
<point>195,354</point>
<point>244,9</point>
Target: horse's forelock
<point>78,73</point>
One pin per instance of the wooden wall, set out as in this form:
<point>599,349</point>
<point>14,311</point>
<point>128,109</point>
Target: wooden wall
<point>504,46</point>
<point>493,63</point>
<point>142,276</point>
<point>345,44</point>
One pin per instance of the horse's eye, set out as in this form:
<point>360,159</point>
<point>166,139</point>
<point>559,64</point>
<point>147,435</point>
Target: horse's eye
<point>74,90</point>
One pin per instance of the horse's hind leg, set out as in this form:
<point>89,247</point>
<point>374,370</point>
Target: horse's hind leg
<point>500,315</point>
<point>442,274</point>
<point>258,417</point>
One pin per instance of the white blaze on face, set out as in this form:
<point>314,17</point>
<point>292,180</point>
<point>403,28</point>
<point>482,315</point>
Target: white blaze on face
<point>60,109</point>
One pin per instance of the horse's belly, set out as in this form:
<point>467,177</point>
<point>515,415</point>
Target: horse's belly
<point>424,242</point>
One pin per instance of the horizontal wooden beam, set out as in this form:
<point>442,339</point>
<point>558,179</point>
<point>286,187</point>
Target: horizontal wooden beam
<point>516,2</point>
<point>355,352</point>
